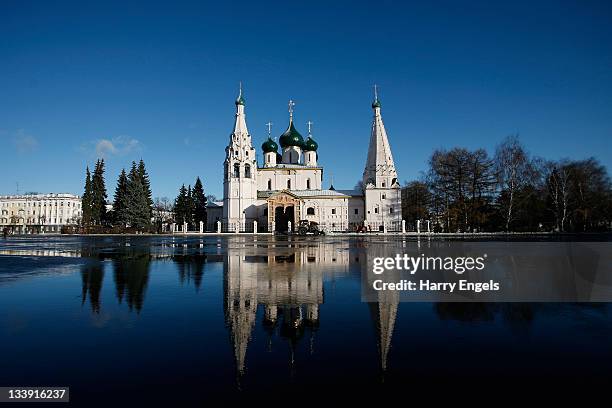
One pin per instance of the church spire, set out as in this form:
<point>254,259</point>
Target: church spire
<point>240,127</point>
<point>375,102</point>
<point>240,98</point>
<point>380,168</point>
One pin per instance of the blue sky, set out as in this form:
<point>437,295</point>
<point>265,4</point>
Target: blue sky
<point>158,80</point>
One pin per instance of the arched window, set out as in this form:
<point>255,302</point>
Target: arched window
<point>289,184</point>
<point>308,184</point>
<point>236,170</point>
<point>269,184</point>
<point>247,171</point>
<point>310,211</point>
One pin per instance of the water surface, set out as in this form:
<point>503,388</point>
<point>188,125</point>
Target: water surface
<point>147,320</point>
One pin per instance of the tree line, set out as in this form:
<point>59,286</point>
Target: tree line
<point>133,208</point>
<point>467,190</point>
<point>190,205</point>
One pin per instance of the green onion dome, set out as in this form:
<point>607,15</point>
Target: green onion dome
<point>291,137</point>
<point>310,145</point>
<point>376,103</point>
<point>269,146</point>
<point>240,100</point>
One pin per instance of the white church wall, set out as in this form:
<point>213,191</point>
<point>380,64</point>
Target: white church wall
<point>277,178</point>
<point>383,206</point>
<point>331,213</point>
<point>356,211</point>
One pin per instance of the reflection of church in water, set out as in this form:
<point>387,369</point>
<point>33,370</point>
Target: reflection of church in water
<point>288,282</point>
<point>285,279</point>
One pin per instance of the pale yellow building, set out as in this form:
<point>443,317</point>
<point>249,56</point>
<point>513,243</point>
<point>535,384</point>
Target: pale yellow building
<point>39,213</point>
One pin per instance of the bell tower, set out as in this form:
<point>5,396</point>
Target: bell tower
<point>382,193</point>
<point>239,173</point>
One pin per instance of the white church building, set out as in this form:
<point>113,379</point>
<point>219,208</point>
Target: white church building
<point>288,186</point>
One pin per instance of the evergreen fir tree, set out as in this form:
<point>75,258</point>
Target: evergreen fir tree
<point>98,195</point>
<point>180,206</point>
<point>146,183</point>
<point>189,207</point>
<point>120,205</point>
<point>137,204</point>
<point>86,200</point>
<point>199,203</point>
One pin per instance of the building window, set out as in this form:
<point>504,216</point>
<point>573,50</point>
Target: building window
<point>247,171</point>
<point>288,184</point>
<point>356,211</point>
<point>384,196</point>
<point>236,170</point>
<point>269,184</point>
<point>391,210</point>
<point>308,184</point>
<point>310,211</point>
<point>375,210</point>
<point>333,211</point>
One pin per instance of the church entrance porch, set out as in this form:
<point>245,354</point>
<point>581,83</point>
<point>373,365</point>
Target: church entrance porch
<point>283,207</point>
<point>282,217</point>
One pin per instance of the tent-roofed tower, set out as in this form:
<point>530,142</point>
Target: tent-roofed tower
<point>380,168</point>
<point>240,172</point>
<point>380,181</point>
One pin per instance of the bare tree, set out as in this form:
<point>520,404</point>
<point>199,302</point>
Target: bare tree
<point>416,200</point>
<point>513,172</point>
<point>590,195</point>
<point>462,183</point>
<point>359,186</point>
<point>162,212</point>
<point>558,175</point>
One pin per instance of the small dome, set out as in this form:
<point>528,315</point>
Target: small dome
<point>376,103</point>
<point>291,137</point>
<point>310,145</point>
<point>269,146</point>
<point>240,100</point>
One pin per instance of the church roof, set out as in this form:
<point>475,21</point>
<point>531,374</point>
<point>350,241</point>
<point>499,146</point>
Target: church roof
<point>352,193</point>
<point>291,137</point>
<point>310,145</point>
<point>240,127</point>
<point>379,158</point>
<point>304,193</point>
<point>289,166</point>
<point>269,146</point>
